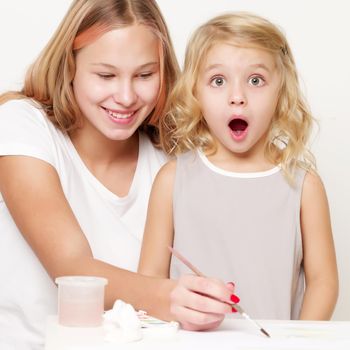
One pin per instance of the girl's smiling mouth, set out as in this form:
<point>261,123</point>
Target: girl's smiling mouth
<point>123,117</point>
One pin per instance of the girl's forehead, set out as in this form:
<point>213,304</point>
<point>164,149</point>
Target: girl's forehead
<point>99,32</point>
<point>228,53</point>
<point>135,43</point>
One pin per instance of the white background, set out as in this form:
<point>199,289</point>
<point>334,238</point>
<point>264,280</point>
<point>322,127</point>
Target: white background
<point>318,32</point>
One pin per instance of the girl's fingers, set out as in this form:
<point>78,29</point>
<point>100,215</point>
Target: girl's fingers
<point>204,303</point>
<point>185,295</point>
<point>200,303</point>
<point>210,287</point>
<point>194,320</point>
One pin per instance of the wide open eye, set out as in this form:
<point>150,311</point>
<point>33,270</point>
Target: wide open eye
<point>217,81</point>
<point>256,81</point>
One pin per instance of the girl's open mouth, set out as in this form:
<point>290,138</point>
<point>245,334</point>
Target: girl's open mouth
<point>238,128</point>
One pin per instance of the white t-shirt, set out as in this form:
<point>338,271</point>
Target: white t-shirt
<point>113,225</point>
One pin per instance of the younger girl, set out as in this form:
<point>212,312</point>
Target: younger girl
<point>244,202</point>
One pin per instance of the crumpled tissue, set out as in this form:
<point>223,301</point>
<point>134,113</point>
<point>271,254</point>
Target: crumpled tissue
<point>121,324</point>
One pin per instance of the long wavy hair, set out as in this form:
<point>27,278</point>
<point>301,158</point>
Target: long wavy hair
<point>49,79</point>
<point>184,126</point>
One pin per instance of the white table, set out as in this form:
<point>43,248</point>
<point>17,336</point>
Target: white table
<point>232,334</point>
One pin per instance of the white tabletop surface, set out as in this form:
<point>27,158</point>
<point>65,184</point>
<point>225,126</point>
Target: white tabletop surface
<point>232,334</point>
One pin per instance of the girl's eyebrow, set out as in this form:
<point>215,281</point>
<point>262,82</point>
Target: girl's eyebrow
<point>111,66</point>
<point>255,65</point>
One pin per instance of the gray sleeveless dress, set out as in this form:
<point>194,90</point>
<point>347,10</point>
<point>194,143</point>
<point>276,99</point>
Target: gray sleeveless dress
<point>244,228</point>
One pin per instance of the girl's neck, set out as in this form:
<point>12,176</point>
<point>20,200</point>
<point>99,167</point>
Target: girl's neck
<point>113,163</point>
<point>240,163</point>
<point>253,160</point>
<point>95,149</point>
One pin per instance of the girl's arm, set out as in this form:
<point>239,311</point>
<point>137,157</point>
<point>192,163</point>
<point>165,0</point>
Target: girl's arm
<point>32,191</point>
<point>155,255</point>
<point>319,254</point>
<point>196,301</point>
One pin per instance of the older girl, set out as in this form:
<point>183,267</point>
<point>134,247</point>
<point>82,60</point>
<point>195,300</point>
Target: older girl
<point>78,157</point>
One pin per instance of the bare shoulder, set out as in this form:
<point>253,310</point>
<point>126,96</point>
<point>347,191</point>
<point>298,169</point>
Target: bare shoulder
<point>314,202</point>
<point>313,185</point>
<point>168,168</point>
<point>166,174</point>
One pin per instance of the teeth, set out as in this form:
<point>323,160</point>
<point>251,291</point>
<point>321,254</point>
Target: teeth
<point>119,115</point>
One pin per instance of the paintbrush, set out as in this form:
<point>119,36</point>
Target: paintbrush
<point>236,306</point>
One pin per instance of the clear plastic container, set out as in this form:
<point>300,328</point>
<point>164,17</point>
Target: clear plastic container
<point>80,300</point>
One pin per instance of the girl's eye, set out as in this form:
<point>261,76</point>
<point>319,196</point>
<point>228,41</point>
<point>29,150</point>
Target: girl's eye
<point>105,75</point>
<point>256,81</point>
<point>145,75</point>
<point>217,81</point>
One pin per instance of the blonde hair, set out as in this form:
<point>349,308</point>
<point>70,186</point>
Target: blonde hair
<point>184,127</point>
<point>49,79</point>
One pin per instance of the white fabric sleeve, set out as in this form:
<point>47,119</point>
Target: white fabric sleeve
<point>24,131</point>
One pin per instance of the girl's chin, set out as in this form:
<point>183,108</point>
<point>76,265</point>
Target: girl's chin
<point>121,135</point>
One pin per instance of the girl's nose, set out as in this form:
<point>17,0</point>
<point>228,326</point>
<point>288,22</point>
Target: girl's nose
<point>125,94</point>
<point>237,97</point>
<point>237,101</point>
